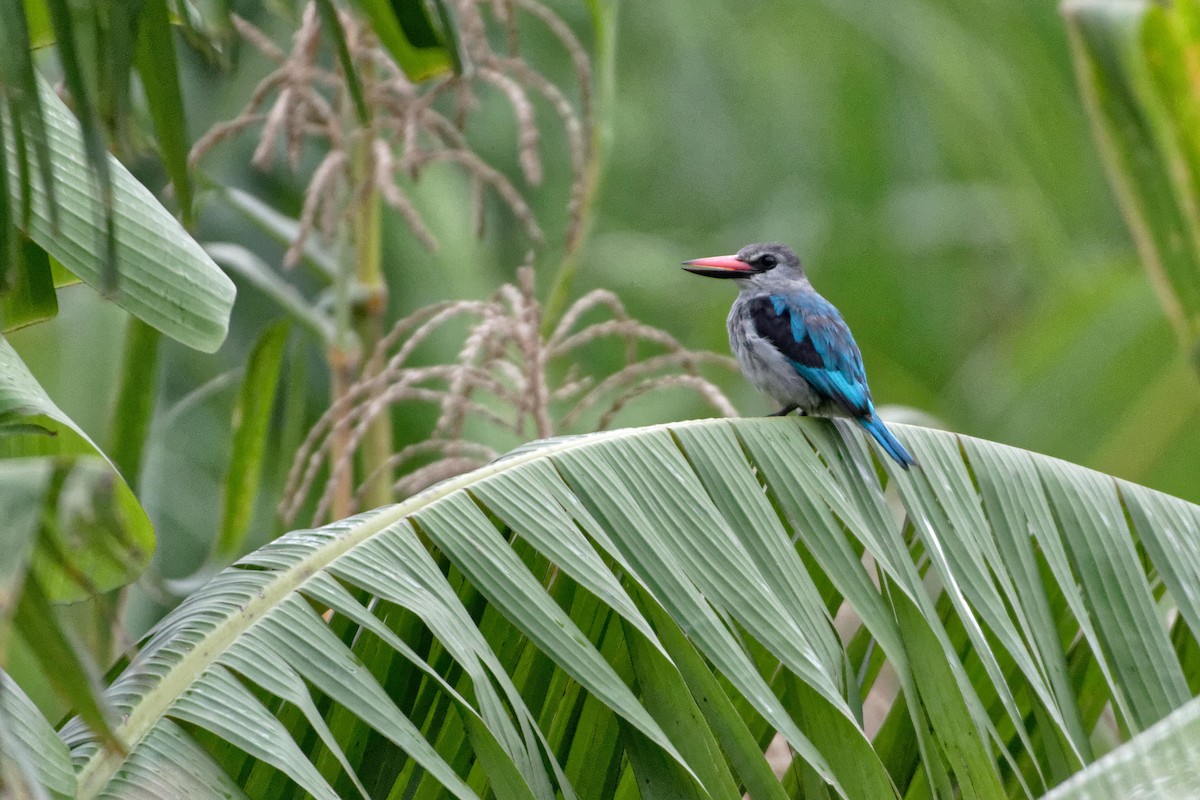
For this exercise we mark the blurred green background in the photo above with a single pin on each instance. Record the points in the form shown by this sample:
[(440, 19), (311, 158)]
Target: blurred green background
[(929, 159), (932, 164)]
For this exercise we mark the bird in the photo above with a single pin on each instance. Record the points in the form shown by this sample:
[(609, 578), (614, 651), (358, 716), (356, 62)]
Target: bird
[(792, 343)]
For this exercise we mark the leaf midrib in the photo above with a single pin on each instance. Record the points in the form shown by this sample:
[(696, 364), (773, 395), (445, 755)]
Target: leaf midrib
[(99, 769)]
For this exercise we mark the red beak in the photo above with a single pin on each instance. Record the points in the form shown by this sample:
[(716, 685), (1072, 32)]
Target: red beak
[(719, 267)]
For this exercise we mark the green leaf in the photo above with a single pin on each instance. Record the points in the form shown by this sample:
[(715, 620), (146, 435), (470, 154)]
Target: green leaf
[(333, 28), (170, 764), (461, 529), (281, 228), (90, 120), (1134, 62), (966, 750), (134, 408), (255, 271), (62, 276), (1163, 524), (10, 236), (639, 611), (66, 662), (116, 27), (1119, 599), (94, 535), (25, 483), (744, 754), (25, 111), (658, 777), (225, 707), (1013, 505), (41, 31), (166, 278), (419, 60), (32, 757), (1162, 762), (251, 423), (32, 298), (159, 71), (667, 698)]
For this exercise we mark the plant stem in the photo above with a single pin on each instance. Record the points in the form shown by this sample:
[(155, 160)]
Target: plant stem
[(134, 408), (342, 365), (604, 22), (370, 302), (368, 313), (344, 355), (360, 315)]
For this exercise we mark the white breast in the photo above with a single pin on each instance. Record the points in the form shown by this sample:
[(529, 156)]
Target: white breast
[(764, 366)]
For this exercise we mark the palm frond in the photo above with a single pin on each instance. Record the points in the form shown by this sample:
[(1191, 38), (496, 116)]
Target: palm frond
[(646, 610)]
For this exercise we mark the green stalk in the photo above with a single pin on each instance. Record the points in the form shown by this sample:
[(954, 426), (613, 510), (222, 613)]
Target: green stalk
[(343, 356), (134, 408), (359, 318), (370, 303), (368, 316), (604, 22)]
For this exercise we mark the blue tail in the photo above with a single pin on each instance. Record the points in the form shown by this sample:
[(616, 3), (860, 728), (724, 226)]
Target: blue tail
[(887, 441)]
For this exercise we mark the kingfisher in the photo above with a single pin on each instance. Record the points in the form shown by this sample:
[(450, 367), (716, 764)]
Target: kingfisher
[(792, 343)]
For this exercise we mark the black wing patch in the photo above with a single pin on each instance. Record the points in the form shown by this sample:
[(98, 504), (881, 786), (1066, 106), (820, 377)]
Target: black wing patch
[(776, 328)]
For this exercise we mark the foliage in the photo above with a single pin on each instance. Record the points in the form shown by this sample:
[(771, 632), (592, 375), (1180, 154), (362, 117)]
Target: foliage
[(642, 611), (167, 280), (379, 131), (70, 211), (930, 160), (1136, 67), (1159, 762)]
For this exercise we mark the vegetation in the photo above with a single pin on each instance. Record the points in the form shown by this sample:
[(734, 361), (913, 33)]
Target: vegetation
[(450, 229)]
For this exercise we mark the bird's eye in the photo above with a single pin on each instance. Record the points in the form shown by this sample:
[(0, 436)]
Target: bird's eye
[(768, 261)]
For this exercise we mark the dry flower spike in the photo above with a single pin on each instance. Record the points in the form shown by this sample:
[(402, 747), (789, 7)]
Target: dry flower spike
[(499, 385), (302, 99)]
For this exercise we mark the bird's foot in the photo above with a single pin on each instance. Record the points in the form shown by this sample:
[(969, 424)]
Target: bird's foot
[(783, 412)]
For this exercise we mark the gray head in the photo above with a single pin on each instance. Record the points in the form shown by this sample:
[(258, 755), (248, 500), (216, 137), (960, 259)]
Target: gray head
[(756, 267)]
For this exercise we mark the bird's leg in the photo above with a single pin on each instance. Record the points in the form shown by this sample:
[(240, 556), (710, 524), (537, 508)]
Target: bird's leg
[(783, 412)]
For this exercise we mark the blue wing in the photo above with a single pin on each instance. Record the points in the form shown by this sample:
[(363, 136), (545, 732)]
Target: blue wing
[(814, 338), (812, 335)]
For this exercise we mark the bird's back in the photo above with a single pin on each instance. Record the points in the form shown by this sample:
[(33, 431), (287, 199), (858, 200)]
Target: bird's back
[(794, 345)]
